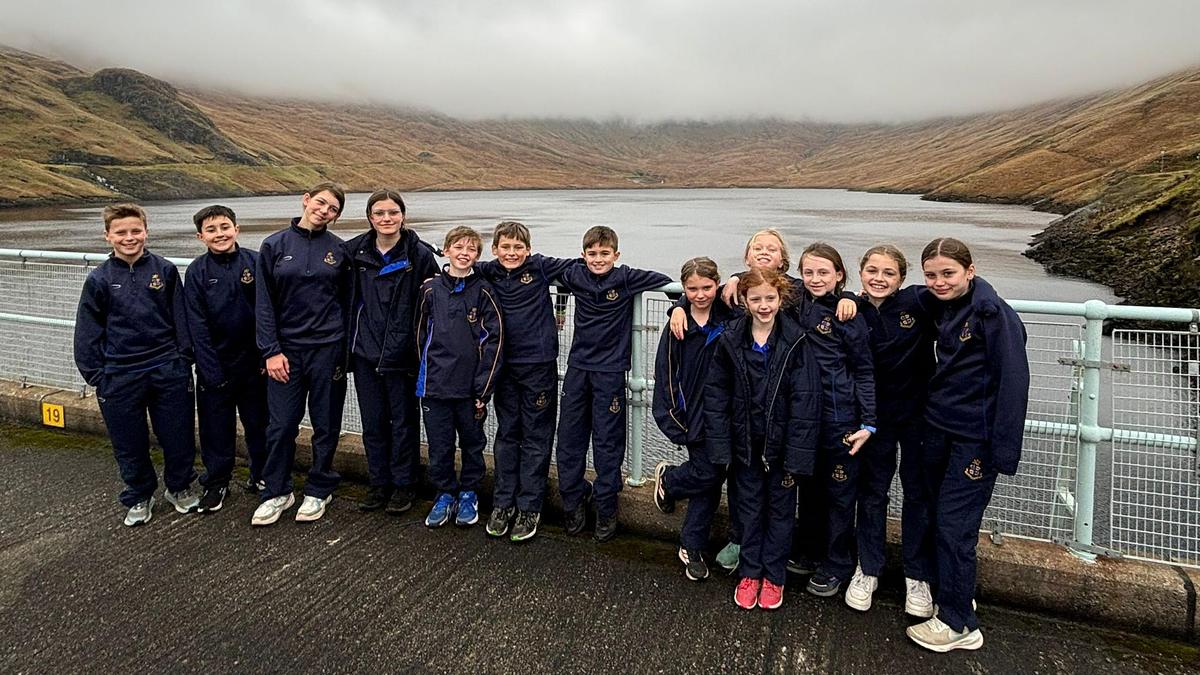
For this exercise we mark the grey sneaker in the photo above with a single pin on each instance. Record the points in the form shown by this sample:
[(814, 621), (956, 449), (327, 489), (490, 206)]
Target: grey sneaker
[(937, 636), (269, 511), (497, 525), (312, 508), (918, 601), (140, 513), (184, 501)]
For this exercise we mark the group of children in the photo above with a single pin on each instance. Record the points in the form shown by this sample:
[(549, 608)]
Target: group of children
[(796, 402)]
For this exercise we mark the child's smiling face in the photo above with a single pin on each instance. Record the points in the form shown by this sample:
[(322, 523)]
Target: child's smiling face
[(127, 236), (462, 254), (219, 234), (511, 252), (600, 258)]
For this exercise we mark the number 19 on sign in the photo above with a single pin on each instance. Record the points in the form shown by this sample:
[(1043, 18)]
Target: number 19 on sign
[(52, 415)]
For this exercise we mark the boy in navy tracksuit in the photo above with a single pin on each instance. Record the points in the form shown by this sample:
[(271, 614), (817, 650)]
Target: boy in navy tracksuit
[(303, 292), (593, 397), (978, 398), (390, 262), (461, 341), (680, 371), (132, 345), (219, 297), (527, 390)]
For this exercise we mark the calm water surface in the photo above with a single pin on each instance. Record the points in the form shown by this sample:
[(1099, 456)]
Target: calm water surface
[(658, 228)]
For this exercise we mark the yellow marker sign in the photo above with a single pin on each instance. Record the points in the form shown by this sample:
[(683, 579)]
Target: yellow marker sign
[(52, 415)]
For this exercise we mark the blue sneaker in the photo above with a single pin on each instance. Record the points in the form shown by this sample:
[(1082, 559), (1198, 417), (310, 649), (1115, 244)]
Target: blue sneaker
[(442, 509), (468, 509)]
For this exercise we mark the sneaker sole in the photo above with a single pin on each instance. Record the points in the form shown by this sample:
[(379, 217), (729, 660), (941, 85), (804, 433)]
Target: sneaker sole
[(467, 523), (660, 492), (515, 539), (687, 572), (823, 593), (741, 606), (274, 518), (302, 517), (919, 612), (858, 605), (211, 510), (973, 641), (493, 533), (180, 509), (772, 607), (395, 512), (138, 523), (436, 524)]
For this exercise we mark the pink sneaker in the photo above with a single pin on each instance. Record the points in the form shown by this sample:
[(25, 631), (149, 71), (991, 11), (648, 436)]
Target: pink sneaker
[(771, 595), (746, 593)]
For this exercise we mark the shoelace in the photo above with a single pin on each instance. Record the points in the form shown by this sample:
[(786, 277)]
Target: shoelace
[(525, 519)]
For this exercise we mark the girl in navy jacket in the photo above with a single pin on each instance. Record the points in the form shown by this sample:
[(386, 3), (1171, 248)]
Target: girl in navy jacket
[(762, 404), (901, 336), (389, 264), (847, 417), (680, 371), (976, 415)]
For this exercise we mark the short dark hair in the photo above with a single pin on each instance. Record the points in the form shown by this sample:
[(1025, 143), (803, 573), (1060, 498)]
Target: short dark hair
[(212, 212), (513, 230), (338, 192), (126, 210), (600, 234), (386, 193)]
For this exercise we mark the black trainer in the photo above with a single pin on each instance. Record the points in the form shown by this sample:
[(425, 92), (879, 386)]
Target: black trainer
[(377, 497), (497, 525), (575, 520), (662, 500), (400, 501), (212, 500), (526, 525), (694, 566), (606, 528), (824, 585), (254, 485), (801, 565)]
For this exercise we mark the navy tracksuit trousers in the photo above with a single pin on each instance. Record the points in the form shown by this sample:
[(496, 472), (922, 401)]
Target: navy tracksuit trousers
[(960, 475), (444, 419), (526, 401), (219, 409), (699, 481), (315, 376), (766, 504), (592, 408), (841, 485), (391, 424), (877, 466), (166, 393)]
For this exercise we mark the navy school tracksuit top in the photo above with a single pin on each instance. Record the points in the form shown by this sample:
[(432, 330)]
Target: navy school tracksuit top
[(784, 384), (843, 350), (901, 334), (680, 371), (386, 290), (531, 332), (980, 388), (130, 318), (460, 337), (604, 314), (219, 295), (303, 290)]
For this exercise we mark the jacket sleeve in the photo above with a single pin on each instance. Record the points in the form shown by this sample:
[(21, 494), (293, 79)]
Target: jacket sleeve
[(421, 320), (665, 388), (639, 281), (553, 268), (183, 333), (266, 330), (208, 364), (857, 345), (491, 345), (718, 408), (91, 319), (1008, 366), (804, 416)]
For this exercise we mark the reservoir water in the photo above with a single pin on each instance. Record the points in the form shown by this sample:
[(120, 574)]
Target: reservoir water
[(658, 229)]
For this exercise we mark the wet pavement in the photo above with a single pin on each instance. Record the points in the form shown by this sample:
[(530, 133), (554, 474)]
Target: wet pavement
[(79, 592)]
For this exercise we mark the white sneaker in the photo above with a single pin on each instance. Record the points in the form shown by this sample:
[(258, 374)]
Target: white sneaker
[(918, 601), (861, 589), (140, 513), (312, 508), (184, 501), (937, 636), (269, 511)]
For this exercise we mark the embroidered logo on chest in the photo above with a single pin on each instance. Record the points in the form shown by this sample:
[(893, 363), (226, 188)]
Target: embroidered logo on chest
[(473, 315), (825, 327), (966, 332), (974, 470), (156, 283), (247, 276), (526, 278), (615, 406), (329, 259), (612, 294), (541, 401), (907, 320), (839, 474), (788, 481)]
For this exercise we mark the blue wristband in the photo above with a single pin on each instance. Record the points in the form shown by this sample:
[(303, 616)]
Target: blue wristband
[(868, 428)]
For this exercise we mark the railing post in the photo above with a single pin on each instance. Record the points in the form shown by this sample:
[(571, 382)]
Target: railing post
[(637, 397), (1089, 428)]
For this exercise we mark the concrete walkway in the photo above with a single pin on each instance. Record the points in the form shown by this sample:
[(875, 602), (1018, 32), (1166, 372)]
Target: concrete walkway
[(79, 592)]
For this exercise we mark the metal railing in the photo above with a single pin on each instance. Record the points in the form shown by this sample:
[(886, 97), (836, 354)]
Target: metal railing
[(1143, 444)]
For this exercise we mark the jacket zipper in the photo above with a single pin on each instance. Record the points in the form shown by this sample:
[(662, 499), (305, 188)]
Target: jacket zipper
[(774, 396)]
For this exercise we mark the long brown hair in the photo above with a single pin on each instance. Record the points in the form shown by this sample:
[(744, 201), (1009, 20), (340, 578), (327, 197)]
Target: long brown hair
[(820, 249)]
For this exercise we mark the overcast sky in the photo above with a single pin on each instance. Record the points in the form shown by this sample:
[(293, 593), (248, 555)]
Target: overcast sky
[(829, 60)]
